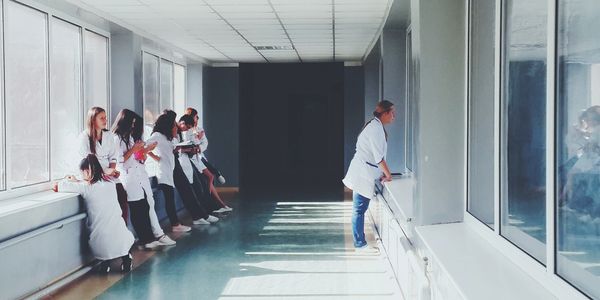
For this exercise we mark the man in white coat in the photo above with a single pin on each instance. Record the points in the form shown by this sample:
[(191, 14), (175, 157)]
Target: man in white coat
[(367, 166)]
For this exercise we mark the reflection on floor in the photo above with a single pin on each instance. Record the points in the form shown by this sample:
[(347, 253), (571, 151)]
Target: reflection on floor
[(265, 250)]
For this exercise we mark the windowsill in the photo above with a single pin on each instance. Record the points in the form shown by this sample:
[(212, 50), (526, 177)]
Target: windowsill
[(29, 201), (399, 191), (475, 267)]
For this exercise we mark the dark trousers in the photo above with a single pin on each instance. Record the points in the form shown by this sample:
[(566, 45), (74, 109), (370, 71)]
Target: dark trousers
[(122, 197), (191, 201), (201, 187), (140, 219), (169, 195)]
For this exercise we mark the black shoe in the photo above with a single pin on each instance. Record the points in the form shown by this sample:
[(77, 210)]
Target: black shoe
[(127, 263), (104, 267)]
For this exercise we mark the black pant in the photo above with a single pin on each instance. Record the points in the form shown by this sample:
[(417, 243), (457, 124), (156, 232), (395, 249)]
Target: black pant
[(169, 194), (191, 201), (140, 219), (202, 188)]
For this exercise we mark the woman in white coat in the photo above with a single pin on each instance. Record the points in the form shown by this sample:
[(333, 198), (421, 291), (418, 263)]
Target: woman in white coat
[(201, 163), (128, 130), (109, 236), (97, 140), (367, 166)]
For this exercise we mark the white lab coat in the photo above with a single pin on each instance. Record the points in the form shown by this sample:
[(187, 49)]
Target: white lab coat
[(109, 236), (136, 182), (203, 143), (371, 148), (166, 165), (106, 152), (184, 158)]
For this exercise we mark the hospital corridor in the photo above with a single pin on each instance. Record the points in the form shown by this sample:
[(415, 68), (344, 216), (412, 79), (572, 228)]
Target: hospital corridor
[(300, 149)]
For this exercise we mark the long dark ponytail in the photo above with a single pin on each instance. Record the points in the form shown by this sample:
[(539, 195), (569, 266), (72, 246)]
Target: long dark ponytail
[(91, 163)]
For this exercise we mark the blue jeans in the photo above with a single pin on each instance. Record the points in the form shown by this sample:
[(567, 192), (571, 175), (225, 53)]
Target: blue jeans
[(360, 204)]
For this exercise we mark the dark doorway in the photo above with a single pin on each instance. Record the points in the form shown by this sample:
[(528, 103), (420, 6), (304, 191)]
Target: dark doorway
[(291, 129)]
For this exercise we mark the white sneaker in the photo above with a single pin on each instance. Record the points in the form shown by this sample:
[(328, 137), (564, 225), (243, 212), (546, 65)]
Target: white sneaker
[(165, 240), (227, 209), (201, 222), (181, 228), (152, 245), (212, 219), (367, 249), (222, 210), (222, 179)]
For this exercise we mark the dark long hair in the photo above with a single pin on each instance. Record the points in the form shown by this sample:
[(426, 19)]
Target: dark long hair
[(137, 132), (89, 125), (164, 125), (127, 125), (91, 163)]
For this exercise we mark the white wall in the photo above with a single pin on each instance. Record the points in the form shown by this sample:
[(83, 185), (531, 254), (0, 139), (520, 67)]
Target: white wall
[(439, 47)]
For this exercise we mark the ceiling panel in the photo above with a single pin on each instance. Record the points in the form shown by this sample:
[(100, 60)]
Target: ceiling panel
[(229, 30)]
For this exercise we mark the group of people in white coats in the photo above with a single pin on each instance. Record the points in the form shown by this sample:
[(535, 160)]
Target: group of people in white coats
[(115, 185)]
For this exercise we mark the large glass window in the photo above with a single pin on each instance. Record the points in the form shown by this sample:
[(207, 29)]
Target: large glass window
[(26, 89), (65, 96), (96, 71), (179, 89), (151, 88), (166, 84), (578, 145), (482, 48), (523, 173)]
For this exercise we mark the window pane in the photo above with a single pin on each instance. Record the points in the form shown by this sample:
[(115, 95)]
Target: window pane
[(524, 126), (481, 110), (26, 94), (578, 145), (150, 78), (166, 85), (179, 89), (65, 96), (96, 71)]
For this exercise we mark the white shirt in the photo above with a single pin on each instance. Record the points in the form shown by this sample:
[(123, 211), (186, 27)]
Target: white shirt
[(203, 143), (166, 165), (371, 148), (106, 152), (133, 173), (184, 158), (136, 182), (109, 236)]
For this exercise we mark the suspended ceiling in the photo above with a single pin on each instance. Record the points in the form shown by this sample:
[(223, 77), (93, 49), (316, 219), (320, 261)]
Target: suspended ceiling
[(230, 31)]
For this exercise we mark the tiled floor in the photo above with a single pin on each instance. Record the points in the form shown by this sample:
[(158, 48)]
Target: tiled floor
[(269, 250)]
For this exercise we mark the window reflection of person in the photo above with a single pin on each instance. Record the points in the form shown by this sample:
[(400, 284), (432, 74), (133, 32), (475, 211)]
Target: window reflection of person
[(583, 167)]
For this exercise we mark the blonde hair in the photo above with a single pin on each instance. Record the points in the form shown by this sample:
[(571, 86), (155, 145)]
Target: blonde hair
[(90, 126)]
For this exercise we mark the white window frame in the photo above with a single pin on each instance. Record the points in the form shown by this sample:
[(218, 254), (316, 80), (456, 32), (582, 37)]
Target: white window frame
[(174, 61), (185, 83), (545, 275), (10, 193)]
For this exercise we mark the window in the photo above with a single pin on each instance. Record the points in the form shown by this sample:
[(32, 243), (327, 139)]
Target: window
[(540, 151), (411, 105), (523, 138), (26, 89), (166, 84), (50, 64), (96, 76), (482, 49), (151, 88), (578, 145), (179, 78), (65, 96)]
